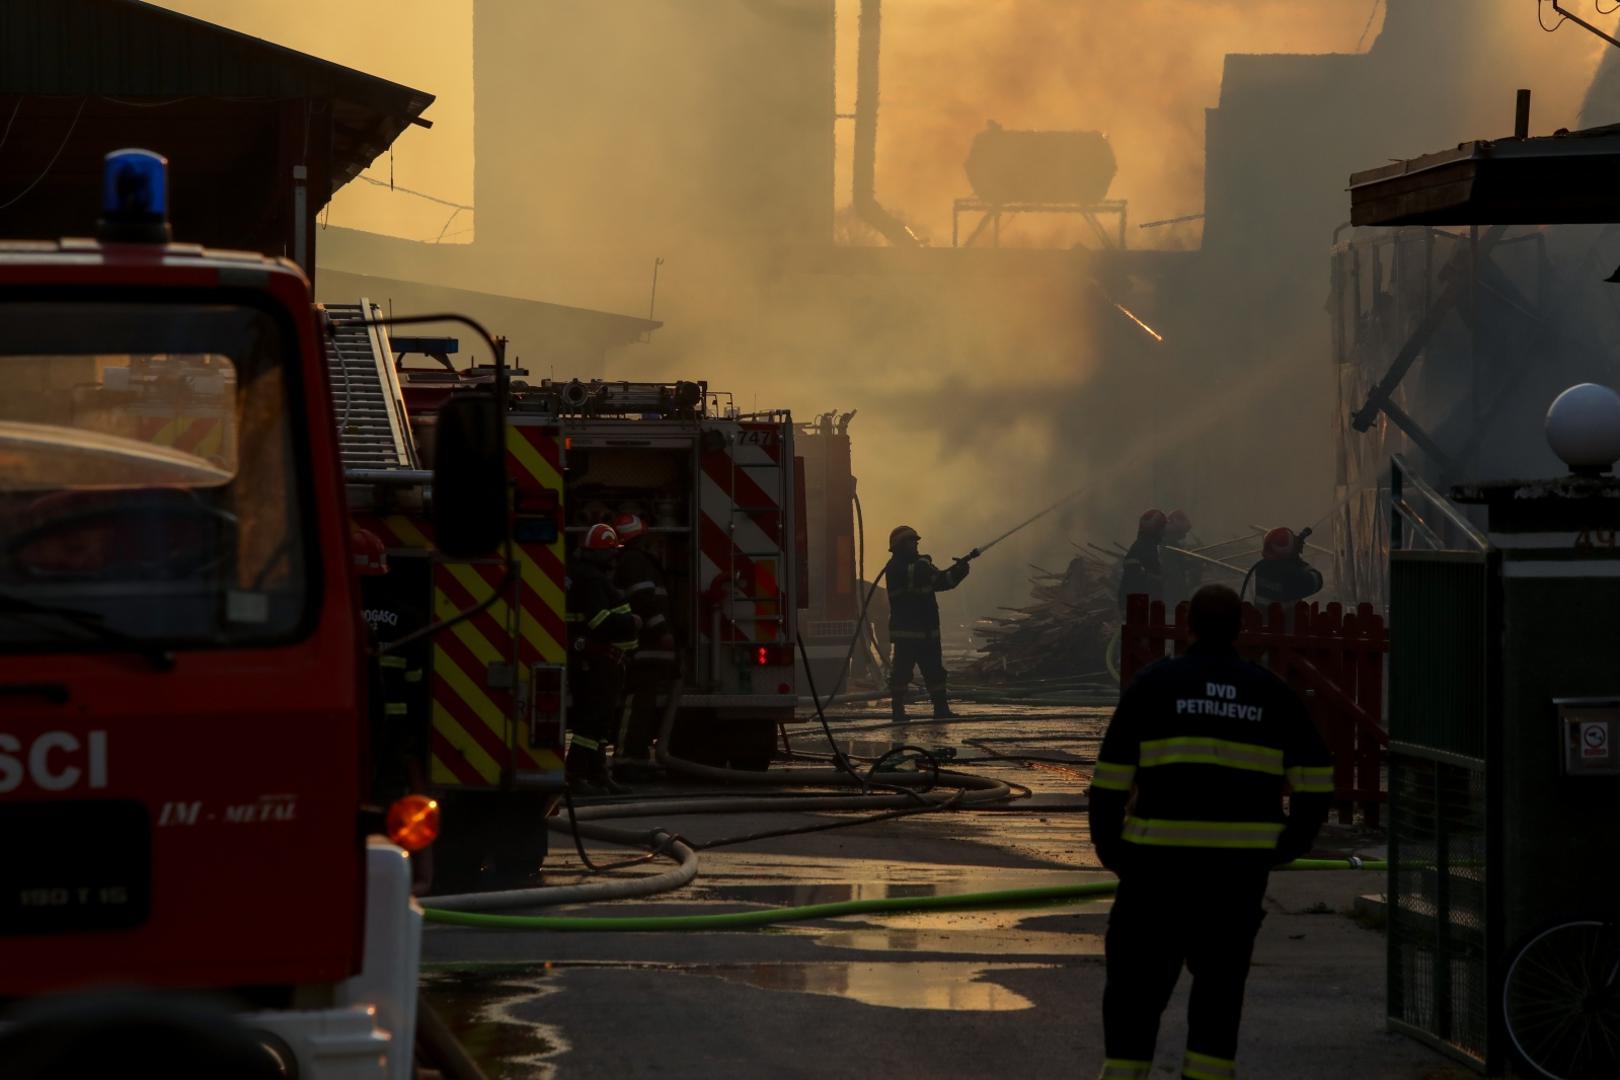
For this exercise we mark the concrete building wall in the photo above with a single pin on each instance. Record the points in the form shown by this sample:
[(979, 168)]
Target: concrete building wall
[(610, 131)]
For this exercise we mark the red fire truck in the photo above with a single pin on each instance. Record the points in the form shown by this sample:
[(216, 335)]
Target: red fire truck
[(184, 777), (721, 492)]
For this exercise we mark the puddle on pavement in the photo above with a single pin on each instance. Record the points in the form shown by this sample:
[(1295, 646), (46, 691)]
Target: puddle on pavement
[(478, 1005), (945, 986), (800, 895), (987, 933), (866, 748)]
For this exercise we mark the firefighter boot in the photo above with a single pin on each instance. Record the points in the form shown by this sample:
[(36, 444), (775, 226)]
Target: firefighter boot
[(580, 768), (942, 709), (897, 706), (603, 777)]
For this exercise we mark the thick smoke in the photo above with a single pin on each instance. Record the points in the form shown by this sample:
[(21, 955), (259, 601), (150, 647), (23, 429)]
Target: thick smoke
[(988, 383)]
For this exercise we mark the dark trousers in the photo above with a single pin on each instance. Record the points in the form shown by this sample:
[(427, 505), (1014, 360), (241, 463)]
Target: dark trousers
[(1166, 916), (921, 653), (642, 715), (595, 690)]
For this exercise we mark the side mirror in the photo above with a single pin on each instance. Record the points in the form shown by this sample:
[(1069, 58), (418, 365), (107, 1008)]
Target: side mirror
[(469, 477)]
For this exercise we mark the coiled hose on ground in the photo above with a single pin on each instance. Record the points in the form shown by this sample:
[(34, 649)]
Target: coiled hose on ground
[(893, 791), (755, 919)]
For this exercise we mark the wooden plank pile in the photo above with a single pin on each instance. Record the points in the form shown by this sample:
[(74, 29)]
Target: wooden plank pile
[(1063, 632), (1066, 633)]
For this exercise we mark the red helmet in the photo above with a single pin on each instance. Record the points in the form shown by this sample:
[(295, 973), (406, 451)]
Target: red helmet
[(1178, 523), (1278, 544), (601, 538), (1151, 521), (629, 527), (370, 556)]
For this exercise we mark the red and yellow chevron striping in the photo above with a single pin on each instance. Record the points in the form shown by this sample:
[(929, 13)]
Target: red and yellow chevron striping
[(477, 734)]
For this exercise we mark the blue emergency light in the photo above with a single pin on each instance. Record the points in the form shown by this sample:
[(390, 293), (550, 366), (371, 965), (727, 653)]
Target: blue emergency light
[(135, 197)]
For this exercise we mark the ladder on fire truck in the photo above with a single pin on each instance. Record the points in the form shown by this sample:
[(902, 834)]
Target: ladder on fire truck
[(372, 427)]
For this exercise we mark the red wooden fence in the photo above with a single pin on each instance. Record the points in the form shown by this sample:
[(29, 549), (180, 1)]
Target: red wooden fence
[(1335, 661)]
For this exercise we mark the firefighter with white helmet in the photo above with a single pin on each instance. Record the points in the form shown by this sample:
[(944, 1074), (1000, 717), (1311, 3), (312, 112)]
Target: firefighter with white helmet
[(602, 631), (913, 584)]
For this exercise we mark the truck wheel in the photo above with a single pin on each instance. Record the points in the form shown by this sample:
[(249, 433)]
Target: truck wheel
[(490, 840), (699, 736), (752, 743), (102, 1033)]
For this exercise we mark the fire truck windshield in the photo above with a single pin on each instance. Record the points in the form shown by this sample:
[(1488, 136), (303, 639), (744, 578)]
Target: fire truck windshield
[(147, 474)]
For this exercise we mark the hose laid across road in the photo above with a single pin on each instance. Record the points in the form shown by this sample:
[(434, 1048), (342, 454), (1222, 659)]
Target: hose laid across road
[(754, 919), (880, 791)]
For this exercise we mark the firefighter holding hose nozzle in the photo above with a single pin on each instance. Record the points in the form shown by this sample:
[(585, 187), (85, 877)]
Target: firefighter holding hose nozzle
[(913, 583), (1282, 576)]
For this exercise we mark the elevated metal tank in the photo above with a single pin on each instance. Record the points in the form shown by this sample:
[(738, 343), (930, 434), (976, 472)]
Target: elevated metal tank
[(1065, 167)]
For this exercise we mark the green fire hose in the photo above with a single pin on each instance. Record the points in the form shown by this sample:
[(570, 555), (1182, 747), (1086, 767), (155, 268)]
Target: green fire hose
[(754, 919)]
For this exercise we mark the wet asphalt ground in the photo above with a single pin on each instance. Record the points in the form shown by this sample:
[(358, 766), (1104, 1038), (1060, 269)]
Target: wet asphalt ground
[(964, 994)]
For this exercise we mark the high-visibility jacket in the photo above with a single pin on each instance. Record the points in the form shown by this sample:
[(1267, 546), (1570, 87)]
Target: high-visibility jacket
[(599, 617), (1209, 740), (642, 580), (913, 585)]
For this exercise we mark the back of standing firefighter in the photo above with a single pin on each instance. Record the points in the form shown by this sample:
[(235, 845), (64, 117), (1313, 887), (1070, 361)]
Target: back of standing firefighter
[(1186, 806), (602, 633), (914, 583)]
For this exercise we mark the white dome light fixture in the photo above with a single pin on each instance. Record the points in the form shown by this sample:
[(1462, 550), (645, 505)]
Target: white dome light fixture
[(1583, 428)]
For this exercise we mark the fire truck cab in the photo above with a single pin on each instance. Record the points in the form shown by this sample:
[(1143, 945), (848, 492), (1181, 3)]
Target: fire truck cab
[(184, 775)]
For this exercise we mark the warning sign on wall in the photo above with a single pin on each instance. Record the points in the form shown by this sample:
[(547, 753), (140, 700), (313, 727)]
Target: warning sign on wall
[(1594, 739)]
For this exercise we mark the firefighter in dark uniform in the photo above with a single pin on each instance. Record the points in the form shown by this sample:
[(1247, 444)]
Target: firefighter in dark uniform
[(1282, 576), (1181, 572), (1142, 571), (396, 601), (913, 585), (602, 631), (1207, 741), (645, 584)]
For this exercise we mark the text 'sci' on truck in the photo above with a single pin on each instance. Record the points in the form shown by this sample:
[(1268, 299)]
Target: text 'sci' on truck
[(186, 782), (721, 494)]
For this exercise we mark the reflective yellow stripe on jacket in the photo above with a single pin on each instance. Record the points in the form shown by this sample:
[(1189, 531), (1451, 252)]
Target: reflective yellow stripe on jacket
[(1311, 779), (1123, 1069), (1198, 750), (1157, 832), (1113, 777), (1198, 1066)]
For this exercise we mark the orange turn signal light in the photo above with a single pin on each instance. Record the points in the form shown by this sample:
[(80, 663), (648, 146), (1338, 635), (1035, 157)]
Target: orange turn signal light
[(413, 822)]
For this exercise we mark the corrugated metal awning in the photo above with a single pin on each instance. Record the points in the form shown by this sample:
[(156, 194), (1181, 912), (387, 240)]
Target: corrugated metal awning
[(1566, 179), (108, 52)]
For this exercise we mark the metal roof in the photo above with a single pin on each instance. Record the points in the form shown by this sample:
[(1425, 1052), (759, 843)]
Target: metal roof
[(1563, 179), (125, 52)]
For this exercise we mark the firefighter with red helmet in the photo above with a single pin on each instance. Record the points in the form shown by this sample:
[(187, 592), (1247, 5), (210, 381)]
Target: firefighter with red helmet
[(914, 583), (602, 631), (1282, 576), (641, 577), (1143, 572)]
